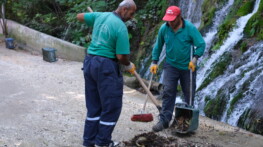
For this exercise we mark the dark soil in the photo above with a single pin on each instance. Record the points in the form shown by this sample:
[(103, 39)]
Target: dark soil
[(152, 139)]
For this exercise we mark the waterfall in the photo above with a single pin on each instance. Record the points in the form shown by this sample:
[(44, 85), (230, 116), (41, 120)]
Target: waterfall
[(254, 60), (228, 44), (161, 58), (191, 10), (142, 66), (247, 70), (249, 65), (218, 19)]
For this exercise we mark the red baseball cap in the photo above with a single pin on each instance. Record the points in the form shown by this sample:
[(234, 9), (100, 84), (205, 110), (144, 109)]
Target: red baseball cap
[(171, 13)]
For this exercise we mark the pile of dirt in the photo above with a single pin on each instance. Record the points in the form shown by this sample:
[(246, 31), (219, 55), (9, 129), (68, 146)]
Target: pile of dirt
[(152, 139)]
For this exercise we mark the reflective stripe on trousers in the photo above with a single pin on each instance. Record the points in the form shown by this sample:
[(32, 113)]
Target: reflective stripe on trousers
[(103, 91)]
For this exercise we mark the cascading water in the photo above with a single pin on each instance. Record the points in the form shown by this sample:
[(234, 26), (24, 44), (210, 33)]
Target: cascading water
[(191, 10), (218, 19), (239, 74), (252, 67), (147, 73), (229, 43)]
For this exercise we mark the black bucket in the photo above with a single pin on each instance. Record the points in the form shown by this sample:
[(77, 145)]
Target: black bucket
[(49, 54)]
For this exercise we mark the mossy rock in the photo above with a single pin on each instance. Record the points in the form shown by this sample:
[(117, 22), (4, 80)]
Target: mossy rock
[(215, 107), (234, 102), (209, 7), (252, 120), (217, 70)]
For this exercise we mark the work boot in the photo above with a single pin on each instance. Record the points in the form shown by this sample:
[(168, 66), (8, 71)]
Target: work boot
[(112, 144), (159, 126)]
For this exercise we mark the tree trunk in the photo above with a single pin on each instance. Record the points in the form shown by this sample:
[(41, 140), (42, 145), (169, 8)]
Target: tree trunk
[(3, 21)]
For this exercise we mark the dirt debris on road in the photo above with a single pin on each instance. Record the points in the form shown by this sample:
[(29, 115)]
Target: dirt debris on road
[(42, 104)]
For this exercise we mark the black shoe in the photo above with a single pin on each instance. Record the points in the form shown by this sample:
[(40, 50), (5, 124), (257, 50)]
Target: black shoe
[(86, 145), (159, 126)]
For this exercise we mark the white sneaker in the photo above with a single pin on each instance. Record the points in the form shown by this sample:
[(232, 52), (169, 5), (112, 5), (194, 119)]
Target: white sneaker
[(112, 144)]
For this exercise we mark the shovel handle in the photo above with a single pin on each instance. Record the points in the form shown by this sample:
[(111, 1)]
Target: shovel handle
[(147, 90), (89, 9), (191, 79), (149, 87)]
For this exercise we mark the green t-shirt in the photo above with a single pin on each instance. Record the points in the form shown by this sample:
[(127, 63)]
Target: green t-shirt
[(109, 35), (178, 44)]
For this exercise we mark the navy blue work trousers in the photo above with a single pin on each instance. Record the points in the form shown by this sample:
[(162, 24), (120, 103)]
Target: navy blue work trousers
[(103, 91), (170, 80)]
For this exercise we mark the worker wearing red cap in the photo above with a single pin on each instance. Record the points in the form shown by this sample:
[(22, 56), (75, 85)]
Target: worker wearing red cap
[(179, 36)]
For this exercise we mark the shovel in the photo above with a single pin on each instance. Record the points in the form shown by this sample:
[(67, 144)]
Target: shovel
[(186, 116)]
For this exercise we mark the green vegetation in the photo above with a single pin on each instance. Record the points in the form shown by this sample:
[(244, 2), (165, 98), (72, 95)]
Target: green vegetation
[(224, 29), (207, 98), (149, 16), (58, 18), (255, 24), (244, 7), (209, 8), (243, 47)]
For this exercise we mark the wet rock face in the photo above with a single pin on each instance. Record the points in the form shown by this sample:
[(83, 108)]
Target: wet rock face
[(252, 119), (215, 107)]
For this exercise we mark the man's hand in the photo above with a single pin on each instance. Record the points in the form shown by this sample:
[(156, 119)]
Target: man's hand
[(130, 68), (192, 64), (80, 17), (154, 68)]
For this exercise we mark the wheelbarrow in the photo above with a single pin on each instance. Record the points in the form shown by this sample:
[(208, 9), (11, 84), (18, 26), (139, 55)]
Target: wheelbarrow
[(186, 116)]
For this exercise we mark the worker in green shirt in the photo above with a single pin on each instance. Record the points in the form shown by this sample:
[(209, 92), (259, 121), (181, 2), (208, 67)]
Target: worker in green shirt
[(179, 36), (109, 47)]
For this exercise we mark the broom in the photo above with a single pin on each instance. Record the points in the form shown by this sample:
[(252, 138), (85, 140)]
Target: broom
[(145, 117)]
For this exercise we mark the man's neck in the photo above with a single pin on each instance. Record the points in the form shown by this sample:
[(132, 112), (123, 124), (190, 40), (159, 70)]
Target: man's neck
[(179, 26), (117, 13)]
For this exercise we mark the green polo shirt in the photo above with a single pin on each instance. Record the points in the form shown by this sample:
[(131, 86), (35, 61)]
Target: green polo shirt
[(178, 44), (109, 35)]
